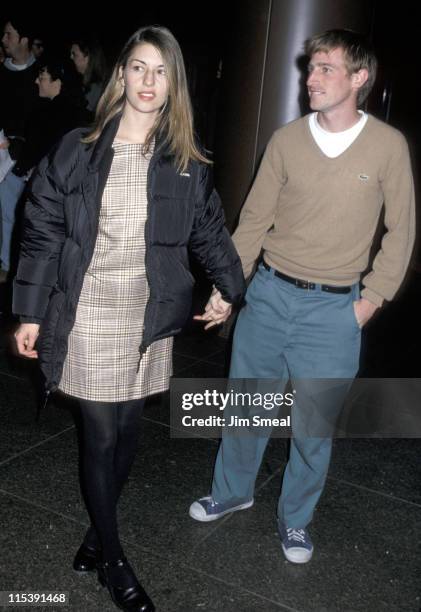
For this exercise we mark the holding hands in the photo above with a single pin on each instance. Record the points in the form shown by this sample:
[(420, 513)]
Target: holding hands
[(26, 336), (216, 312)]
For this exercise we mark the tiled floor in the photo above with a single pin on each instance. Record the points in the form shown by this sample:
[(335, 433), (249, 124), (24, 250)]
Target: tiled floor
[(366, 530)]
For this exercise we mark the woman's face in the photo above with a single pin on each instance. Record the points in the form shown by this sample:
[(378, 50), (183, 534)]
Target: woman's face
[(47, 88), (79, 59), (145, 79)]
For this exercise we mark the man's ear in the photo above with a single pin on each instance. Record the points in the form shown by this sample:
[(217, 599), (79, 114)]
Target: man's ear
[(359, 78)]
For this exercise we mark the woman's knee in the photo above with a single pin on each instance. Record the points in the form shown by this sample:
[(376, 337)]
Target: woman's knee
[(99, 428)]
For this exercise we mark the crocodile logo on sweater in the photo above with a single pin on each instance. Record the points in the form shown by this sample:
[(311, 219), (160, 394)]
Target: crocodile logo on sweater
[(363, 177)]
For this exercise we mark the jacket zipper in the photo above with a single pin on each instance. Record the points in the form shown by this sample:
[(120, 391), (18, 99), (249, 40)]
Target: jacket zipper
[(144, 345), (142, 350), (42, 405)]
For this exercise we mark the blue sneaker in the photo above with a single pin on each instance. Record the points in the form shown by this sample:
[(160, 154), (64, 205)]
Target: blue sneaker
[(206, 509), (296, 544)]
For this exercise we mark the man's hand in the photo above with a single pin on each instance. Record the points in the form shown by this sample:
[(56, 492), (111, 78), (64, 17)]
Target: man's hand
[(216, 312), (4, 144), (364, 310), (26, 336)]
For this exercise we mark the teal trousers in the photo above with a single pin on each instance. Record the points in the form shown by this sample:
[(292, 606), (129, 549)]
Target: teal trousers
[(312, 338)]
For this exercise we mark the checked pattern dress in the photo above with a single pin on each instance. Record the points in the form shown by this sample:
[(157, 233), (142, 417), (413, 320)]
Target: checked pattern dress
[(103, 351)]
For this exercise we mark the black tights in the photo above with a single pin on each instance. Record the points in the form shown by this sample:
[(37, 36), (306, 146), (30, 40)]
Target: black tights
[(110, 432)]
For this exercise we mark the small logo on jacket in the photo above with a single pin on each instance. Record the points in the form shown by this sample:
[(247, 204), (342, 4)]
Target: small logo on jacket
[(185, 174), (363, 177)]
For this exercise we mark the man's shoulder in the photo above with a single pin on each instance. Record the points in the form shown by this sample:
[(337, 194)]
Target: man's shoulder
[(289, 136), (4, 72), (384, 134), (8, 71), (294, 127)]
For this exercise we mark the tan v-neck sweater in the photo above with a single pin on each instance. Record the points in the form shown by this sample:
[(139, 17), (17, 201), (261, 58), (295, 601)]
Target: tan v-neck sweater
[(315, 216)]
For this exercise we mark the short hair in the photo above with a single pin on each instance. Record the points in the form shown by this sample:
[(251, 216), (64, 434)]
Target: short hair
[(358, 54), (55, 68), (59, 68), (23, 26)]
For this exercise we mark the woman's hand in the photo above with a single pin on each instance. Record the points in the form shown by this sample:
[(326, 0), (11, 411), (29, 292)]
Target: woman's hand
[(4, 144), (216, 312), (26, 336)]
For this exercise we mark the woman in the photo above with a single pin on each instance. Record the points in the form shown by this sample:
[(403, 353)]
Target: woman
[(104, 275), (89, 60)]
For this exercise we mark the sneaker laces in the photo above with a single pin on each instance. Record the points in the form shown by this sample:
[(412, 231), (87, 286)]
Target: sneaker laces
[(212, 503), (298, 535)]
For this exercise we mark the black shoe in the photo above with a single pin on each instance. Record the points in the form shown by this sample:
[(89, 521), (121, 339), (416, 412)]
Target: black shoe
[(86, 559), (125, 589)]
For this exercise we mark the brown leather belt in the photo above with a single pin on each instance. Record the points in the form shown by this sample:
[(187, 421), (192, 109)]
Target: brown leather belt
[(302, 284)]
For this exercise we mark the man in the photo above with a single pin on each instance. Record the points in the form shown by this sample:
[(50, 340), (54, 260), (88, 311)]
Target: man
[(19, 96), (37, 48), (313, 208)]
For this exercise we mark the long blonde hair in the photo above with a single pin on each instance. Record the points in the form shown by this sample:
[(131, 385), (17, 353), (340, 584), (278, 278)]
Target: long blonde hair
[(175, 120)]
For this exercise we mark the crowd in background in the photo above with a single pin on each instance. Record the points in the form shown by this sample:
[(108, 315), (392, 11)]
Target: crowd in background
[(46, 91)]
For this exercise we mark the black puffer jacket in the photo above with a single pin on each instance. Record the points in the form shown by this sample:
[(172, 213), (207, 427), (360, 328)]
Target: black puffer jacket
[(60, 229)]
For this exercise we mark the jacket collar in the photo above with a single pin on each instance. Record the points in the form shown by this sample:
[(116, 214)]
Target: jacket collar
[(106, 139), (104, 142)]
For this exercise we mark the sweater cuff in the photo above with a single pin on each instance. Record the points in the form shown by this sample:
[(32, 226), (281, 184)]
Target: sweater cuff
[(372, 297)]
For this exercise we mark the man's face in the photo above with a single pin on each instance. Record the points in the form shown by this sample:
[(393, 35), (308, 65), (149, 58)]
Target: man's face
[(11, 40), (329, 84), (37, 47)]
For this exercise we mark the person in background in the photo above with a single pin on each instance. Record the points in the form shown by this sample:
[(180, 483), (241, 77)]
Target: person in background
[(18, 98), (104, 279), (62, 111), (38, 47), (89, 60)]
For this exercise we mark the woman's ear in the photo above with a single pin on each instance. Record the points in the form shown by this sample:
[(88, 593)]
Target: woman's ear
[(120, 76)]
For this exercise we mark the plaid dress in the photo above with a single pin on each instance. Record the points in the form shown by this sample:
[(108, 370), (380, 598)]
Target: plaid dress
[(103, 351)]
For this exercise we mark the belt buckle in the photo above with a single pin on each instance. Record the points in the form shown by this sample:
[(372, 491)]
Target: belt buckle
[(302, 284)]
